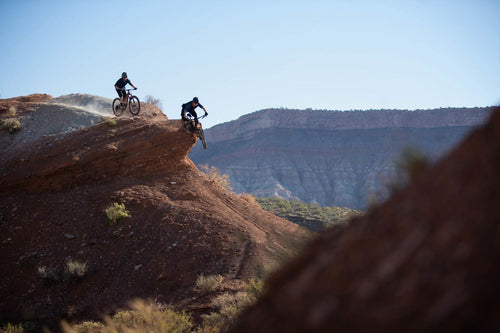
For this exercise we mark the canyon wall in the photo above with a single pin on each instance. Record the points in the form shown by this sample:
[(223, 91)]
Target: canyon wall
[(329, 157)]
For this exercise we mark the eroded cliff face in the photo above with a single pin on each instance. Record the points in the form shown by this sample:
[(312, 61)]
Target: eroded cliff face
[(332, 158)]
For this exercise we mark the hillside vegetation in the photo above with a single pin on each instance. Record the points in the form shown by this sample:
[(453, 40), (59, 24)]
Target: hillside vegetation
[(311, 216)]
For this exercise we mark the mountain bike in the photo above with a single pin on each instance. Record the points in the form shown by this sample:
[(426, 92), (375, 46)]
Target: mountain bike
[(189, 124), (133, 104)]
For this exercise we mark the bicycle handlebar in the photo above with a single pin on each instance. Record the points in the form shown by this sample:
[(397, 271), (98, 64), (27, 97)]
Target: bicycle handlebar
[(190, 116)]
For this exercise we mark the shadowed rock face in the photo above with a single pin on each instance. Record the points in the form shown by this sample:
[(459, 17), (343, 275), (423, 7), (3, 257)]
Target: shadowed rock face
[(427, 260), (332, 158)]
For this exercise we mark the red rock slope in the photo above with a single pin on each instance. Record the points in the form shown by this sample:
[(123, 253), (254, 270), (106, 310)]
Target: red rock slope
[(52, 198)]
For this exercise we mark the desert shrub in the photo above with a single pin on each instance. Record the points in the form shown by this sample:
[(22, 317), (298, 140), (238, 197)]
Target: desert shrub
[(12, 111), (255, 289), (214, 174), (75, 270), (12, 124), (110, 121), (209, 283), (85, 327), (143, 317), (229, 306), (10, 328), (249, 198), (49, 274), (152, 100), (115, 213)]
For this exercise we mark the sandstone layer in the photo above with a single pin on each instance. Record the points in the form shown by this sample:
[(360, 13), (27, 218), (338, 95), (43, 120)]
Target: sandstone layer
[(332, 158)]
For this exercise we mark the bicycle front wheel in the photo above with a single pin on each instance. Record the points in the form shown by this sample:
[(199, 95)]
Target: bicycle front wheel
[(134, 105), (201, 135), (117, 108)]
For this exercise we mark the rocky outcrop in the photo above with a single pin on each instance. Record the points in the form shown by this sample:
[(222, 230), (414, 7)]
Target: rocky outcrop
[(424, 261), (103, 152), (53, 195), (331, 158)]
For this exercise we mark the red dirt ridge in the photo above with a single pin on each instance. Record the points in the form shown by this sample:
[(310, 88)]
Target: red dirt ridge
[(53, 193)]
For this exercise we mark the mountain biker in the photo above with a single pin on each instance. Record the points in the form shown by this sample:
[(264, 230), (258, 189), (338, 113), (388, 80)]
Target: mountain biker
[(189, 108), (120, 87)]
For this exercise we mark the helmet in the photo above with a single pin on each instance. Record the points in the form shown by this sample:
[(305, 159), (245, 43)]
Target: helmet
[(124, 75), (196, 100)]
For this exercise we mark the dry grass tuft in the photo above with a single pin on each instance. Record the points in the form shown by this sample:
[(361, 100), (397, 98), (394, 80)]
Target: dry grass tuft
[(143, 317), (12, 111), (209, 283), (75, 270)]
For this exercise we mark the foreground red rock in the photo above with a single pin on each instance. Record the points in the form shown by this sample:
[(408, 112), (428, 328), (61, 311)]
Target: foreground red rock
[(428, 260)]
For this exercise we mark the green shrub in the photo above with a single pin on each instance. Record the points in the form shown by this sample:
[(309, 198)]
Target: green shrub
[(209, 283), (115, 213), (12, 125)]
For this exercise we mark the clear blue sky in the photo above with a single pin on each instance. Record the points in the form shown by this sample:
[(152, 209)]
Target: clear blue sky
[(243, 56)]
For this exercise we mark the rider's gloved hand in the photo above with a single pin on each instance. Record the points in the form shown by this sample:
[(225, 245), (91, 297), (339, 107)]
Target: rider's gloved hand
[(206, 113)]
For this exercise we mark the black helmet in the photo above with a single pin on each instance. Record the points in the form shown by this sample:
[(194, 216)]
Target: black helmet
[(196, 100), (124, 75)]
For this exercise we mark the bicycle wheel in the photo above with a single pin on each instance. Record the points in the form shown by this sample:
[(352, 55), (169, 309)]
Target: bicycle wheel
[(201, 135), (134, 105), (117, 108)]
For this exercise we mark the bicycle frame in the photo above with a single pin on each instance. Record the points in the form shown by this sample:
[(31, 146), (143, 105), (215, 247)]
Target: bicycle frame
[(128, 95)]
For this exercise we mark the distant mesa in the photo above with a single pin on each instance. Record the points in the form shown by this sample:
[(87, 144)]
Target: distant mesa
[(330, 157)]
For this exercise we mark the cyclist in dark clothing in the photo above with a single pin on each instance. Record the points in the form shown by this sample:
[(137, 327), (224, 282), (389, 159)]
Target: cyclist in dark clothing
[(189, 108), (120, 87)]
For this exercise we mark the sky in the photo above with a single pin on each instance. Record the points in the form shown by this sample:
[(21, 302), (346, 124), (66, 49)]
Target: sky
[(238, 57)]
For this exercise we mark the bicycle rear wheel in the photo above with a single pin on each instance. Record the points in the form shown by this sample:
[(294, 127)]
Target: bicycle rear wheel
[(117, 108), (201, 135), (134, 105)]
